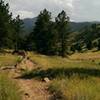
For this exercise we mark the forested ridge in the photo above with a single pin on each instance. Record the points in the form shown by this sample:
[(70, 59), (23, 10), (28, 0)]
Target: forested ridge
[(59, 37)]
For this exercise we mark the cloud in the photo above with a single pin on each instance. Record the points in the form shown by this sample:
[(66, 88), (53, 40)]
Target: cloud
[(78, 10), (86, 10), (24, 14), (31, 8)]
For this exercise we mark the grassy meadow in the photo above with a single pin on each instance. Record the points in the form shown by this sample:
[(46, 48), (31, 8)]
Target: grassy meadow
[(8, 59), (74, 78)]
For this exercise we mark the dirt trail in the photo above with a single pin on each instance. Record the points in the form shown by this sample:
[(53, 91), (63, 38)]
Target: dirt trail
[(32, 89)]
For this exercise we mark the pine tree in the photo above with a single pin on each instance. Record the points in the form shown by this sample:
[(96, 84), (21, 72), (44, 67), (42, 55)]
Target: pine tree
[(5, 24), (62, 22), (41, 34), (18, 27), (52, 39)]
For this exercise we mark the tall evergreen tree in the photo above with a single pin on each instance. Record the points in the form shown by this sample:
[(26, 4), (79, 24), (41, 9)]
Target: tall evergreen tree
[(52, 39), (41, 34), (62, 22), (18, 27), (5, 24)]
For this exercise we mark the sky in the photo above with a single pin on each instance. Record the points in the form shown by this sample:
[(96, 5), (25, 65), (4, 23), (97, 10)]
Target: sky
[(78, 10)]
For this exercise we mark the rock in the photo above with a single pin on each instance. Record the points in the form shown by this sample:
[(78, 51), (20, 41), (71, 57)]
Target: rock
[(46, 79)]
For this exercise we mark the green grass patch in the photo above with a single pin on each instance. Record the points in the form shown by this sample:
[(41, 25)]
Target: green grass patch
[(8, 89), (54, 73)]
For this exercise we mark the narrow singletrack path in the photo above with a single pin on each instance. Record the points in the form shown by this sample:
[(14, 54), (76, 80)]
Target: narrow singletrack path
[(32, 89)]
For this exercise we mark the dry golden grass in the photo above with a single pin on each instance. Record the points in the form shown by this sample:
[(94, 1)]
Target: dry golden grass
[(73, 61), (8, 60), (86, 56), (74, 78), (76, 88)]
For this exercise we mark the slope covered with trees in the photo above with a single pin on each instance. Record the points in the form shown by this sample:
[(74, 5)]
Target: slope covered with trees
[(49, 37)]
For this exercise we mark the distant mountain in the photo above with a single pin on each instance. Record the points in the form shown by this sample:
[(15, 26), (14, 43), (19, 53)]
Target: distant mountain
[(78, 26), (29, 24)]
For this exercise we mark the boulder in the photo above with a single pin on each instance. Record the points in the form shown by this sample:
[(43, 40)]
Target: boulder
[(46, 79)]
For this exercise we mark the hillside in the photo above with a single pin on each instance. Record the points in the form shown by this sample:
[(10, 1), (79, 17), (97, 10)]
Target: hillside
[(29, 23)]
